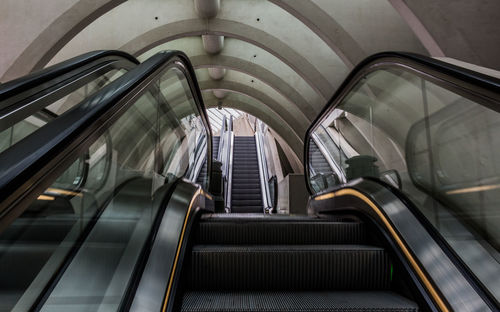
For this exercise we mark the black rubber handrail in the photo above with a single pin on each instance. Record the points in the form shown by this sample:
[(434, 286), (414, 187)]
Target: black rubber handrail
[(28, 167), (31, 94), (458, 76), (22, 84)]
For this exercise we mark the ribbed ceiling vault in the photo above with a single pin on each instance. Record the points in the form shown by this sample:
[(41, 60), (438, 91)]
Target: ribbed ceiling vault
[(278, 60)]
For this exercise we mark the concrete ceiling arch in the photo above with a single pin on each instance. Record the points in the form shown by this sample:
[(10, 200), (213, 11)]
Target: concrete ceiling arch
[(53, 38), (465, 30), (418, 28), (197, 27), (268, 95), (437, 25), (327, 28), (177, 101), (374, 25), (249, 74), (258, 72), (243, 53), (297, 123)]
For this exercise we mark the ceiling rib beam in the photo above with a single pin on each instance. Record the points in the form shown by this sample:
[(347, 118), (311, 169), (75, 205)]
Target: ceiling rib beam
[(418, 28), (57, 35), (292, 116), (259, 72), (240, 31), (327, 28)]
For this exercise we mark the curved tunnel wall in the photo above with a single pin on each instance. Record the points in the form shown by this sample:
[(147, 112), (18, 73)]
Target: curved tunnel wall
[(284, 58)]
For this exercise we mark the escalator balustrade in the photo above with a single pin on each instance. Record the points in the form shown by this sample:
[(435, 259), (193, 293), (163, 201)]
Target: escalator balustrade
[(416, 141), (78, 248), (30, 102)]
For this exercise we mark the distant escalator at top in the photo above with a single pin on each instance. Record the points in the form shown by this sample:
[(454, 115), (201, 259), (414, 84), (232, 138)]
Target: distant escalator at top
[(80, 195), (246, 194)]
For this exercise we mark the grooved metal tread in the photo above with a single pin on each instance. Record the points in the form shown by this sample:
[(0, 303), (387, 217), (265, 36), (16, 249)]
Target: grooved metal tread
[(273, 232), (246, 209), (281, 248), (245, 176), (290, 267), (299, 301), (258, 217), (317, 159)]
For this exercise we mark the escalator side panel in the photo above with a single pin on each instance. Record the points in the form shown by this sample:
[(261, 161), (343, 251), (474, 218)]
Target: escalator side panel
[(157, 284), (106, 259), (406, 233), (127, 131), (429, 130)]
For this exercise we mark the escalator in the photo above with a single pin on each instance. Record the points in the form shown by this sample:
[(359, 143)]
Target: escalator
[(414, 142), (318, 160), (246, 193), (381, 235), (323, 173), (100, 209)]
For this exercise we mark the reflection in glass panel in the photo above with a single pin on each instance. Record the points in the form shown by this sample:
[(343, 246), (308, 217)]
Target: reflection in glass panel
[(25, 127), (97, 215), (181, 107), (438, 147)]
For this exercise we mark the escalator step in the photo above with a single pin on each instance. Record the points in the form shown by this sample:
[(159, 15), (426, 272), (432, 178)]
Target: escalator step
[(246, 169), (246, 196), (250, 202), (251, 191), (299, 301), (247, 209), (241, 179), (289, 267), (248, 189), (274, 233), (242, 176), (245, 184), (250, 167), (251, 164), (247, 176)]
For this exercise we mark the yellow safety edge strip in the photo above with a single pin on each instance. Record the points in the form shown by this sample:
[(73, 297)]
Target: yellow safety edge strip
[(45, 197), (179, 246), (425, 280), (63, 192)]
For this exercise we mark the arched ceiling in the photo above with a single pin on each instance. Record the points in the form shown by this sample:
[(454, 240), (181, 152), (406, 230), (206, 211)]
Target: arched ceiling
[(278, 60)]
